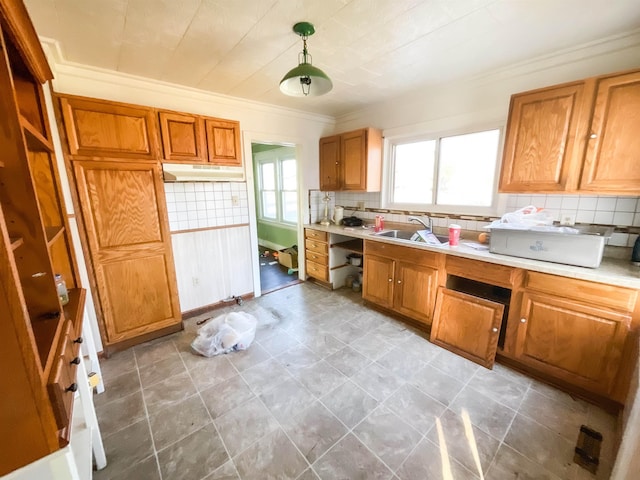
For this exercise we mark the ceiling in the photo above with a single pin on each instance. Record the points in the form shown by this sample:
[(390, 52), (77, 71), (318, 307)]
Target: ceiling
[(373, 50)]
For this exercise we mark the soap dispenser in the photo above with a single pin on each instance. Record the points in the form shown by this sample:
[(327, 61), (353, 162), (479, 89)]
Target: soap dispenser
[(635, 256)]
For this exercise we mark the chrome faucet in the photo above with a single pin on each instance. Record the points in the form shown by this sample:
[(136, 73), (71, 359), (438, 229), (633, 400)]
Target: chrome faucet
[(419, 220)]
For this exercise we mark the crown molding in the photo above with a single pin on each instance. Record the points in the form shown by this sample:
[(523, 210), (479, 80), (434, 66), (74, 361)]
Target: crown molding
[(65, 68)]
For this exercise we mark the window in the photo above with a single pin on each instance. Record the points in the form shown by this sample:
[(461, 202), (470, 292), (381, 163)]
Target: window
[(454, 174), (277, 177)]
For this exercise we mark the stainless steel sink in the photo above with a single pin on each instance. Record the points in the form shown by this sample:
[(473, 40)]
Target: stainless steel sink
[(402, 234), (411, 235)]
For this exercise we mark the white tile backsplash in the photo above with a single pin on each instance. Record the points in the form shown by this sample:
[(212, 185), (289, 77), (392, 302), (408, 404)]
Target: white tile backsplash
[(205, 204), (587, 209)]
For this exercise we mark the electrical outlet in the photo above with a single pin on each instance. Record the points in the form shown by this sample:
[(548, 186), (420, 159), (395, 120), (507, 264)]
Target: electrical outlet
[(235, 200), (361, 206), (567, 219)]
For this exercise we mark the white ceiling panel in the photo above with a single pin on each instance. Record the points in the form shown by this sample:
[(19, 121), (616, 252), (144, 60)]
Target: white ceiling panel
[(372, 49)]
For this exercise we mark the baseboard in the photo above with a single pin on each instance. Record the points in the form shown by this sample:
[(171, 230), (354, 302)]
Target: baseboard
[(213, 306)]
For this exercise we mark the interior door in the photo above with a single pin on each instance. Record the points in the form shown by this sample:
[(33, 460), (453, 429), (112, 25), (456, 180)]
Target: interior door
[(130, 246)]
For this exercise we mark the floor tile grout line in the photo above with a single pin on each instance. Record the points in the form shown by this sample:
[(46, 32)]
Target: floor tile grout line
[(146, 410), (213, 423)]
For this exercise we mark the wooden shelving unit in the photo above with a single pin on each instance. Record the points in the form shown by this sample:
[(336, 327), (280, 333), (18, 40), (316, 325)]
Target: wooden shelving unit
[(35, 140), (354, 245), (16, 242), (35, 244)]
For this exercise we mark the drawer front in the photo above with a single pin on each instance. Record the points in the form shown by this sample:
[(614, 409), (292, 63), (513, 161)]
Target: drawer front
[(315, 270), (62, 384), (596, 293), (407, 254), (316, 234), (318, 258), (480, 271), (316, 246)]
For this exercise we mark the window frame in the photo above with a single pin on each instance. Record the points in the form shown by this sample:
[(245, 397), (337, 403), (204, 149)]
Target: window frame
[(390, 141), (275, 157)]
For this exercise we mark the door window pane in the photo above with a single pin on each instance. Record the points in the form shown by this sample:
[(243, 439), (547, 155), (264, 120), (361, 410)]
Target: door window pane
[(289, 175), (268, 176), (290, 206), (269, 208)]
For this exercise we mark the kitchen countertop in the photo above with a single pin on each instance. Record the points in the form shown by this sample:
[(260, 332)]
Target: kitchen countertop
[(611, 271)]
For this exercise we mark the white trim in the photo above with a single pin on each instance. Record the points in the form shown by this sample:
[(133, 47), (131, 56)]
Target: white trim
[(61, 67), (414, 134)]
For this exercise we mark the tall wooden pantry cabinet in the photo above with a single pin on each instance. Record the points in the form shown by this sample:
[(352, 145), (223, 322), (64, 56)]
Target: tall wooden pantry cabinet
[(39, 336)]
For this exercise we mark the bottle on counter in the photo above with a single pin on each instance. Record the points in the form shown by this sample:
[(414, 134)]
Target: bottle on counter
[(635, 256), (61, 287)]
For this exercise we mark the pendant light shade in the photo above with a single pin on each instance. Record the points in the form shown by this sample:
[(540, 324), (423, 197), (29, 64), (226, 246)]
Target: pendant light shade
[(305, 79)]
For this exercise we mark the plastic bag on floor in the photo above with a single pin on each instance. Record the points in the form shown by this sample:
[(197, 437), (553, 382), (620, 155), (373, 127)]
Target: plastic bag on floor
[(226, 333)]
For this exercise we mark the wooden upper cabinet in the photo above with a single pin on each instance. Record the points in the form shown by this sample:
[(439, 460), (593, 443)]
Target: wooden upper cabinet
[(330, 163), (351, 161), (576, 137), (183, 137), (128, 236), (612, 159), (97, 128), (223, 142), (542, 149)]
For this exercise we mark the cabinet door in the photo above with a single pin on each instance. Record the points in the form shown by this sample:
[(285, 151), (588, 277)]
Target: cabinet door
[(182, 137), (330, 163), (223, 142), (97, 128), (577, 343), (467, 325), (613, 149), (126, 223), (415, 289), (354, 160), (378, 280), (543, 142)]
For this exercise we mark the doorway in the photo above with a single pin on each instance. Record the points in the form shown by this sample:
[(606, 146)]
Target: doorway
[(275, 171)]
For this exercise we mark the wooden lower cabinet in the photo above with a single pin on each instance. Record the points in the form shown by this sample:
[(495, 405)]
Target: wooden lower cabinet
[(128, 236), (575, 342), (401, 278), (467, 325)]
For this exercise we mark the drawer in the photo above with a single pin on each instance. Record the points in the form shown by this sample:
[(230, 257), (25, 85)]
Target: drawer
[(407, 254), (62, 384), (316, 234), (596, 293), (318, 258), (316, 246), (481, 271), (315, 270)]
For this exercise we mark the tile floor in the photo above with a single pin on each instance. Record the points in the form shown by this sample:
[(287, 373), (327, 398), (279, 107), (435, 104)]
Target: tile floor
[(331, 389)]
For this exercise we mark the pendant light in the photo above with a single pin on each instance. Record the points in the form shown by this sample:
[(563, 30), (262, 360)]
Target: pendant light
[(305, 79)]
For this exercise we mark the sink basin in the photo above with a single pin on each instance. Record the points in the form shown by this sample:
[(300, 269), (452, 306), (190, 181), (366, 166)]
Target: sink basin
[(412, 236), (402, 234)]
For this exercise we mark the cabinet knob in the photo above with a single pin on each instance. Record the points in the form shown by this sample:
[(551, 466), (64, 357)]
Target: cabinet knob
[(593, 135), (75, 361), (494, 330), (391, 279), (71, 388), (399, 281), (78, 340), (523, 320)]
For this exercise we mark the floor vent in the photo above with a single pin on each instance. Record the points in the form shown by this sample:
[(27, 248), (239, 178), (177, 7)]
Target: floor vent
[(587, 451)]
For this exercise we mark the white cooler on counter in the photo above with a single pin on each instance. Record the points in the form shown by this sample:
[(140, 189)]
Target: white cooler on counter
[(584, 248)]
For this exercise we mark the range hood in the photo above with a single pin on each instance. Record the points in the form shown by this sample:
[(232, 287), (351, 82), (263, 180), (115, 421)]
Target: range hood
[(178, 172)]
